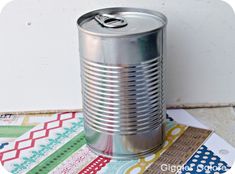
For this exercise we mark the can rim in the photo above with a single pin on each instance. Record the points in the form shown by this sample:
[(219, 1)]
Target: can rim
[(87, 15)]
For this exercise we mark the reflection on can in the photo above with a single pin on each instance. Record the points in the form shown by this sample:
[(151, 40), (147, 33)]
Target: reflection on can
[(122, 54)]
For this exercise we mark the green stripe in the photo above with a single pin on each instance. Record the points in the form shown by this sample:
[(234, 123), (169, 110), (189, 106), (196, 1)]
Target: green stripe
[(13, 131), (60, 155)]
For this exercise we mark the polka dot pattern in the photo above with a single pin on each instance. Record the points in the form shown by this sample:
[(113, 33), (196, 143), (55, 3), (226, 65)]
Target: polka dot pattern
[(205, 161)]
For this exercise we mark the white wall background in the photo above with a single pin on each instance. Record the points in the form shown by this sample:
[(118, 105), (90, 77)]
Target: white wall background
[(39, 60)]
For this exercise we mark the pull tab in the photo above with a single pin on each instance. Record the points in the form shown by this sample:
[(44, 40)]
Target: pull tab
[(111, 21)]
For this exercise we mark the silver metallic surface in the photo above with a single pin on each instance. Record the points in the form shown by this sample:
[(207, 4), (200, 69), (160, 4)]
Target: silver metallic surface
[(111, 21), (122, 71)]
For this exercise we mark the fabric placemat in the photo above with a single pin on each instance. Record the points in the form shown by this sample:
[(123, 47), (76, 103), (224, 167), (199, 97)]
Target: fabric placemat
[(58, 146)]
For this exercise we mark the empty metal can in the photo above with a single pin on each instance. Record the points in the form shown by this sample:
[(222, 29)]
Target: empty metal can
[(122, 54)]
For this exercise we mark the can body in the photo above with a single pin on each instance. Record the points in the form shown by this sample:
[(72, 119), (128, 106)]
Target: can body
[(123, 84)]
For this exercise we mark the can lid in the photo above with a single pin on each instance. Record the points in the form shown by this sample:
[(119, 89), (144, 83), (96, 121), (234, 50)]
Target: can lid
[(121, 21)]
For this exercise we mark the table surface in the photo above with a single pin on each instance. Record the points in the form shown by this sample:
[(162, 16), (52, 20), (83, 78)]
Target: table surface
[(222, 120)]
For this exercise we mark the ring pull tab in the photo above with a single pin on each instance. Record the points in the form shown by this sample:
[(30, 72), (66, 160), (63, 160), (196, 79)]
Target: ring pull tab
[(111, 21)]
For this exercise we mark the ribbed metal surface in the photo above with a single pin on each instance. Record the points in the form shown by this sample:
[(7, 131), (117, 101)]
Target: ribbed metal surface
[(124, 100), (122, 54)]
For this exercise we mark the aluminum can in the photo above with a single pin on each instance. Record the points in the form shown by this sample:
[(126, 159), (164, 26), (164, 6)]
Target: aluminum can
[(122, 52)]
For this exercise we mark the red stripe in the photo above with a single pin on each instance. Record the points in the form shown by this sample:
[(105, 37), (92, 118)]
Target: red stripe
[(18, 151), (95, 166)]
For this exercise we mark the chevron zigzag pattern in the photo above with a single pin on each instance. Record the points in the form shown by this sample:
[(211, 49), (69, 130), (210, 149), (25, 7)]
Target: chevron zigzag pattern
[(33, 138)]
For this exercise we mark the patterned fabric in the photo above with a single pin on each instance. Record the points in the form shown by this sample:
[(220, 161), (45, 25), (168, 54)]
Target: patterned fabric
[(13, 126), (58, 146), (205, 161), (75, 162), (38, 144)]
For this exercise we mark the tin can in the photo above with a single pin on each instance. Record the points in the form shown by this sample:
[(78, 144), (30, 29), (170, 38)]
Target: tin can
[(122, 54)]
